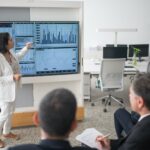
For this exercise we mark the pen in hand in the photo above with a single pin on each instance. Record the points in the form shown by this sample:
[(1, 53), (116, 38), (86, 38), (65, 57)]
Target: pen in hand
[(102, 136), (107, 135), (103, 142)]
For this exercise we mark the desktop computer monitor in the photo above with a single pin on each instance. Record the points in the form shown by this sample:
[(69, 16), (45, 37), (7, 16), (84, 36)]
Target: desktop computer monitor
[(122, 45), (114, 52), (118, 45), (144, 50), (110, 45)]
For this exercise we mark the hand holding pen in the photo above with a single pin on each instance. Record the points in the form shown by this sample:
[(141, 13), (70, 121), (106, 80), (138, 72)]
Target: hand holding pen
[(104, 141)]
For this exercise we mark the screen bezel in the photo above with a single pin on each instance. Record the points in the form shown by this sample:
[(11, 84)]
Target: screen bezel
[(114, 48), (53, 22)]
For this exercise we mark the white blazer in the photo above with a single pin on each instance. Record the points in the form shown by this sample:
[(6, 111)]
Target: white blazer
[(7, 84)]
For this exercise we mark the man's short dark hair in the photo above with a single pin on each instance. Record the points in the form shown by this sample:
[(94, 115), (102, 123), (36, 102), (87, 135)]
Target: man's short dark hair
[(141, 87), (57, 111), (4, 37)]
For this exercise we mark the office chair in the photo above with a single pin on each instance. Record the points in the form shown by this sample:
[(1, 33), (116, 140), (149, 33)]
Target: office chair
[(111, 80)]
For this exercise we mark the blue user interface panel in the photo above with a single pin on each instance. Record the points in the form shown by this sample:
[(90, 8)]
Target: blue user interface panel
[(57, 35), (63, 60), (55, 47)]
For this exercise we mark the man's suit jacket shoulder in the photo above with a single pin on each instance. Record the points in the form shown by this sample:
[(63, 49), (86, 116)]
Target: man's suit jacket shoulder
[(25, 147), (138, 138), (47, 147), (37, 147)]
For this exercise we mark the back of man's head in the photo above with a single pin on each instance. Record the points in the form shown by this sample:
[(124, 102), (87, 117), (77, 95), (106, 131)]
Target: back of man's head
[(141, 87), (57, 112)]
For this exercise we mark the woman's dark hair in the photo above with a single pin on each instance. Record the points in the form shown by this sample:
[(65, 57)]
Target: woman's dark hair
[(4, 37)]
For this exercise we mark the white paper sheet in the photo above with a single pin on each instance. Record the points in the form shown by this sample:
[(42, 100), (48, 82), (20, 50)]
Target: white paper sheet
[(88, 137)]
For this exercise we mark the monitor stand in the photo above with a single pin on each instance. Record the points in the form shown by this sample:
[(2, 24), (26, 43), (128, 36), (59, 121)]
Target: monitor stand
[(140, 59)]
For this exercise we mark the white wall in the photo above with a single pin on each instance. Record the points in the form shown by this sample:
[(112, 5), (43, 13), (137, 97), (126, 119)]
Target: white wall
[(116, 14)]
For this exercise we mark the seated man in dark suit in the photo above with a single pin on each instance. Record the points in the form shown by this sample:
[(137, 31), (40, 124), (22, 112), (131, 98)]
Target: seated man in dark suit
[(139, 137), (124, 121), (57, 119)]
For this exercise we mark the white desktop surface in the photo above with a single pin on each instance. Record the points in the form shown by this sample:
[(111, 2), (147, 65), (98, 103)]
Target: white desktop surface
[(93, 66)]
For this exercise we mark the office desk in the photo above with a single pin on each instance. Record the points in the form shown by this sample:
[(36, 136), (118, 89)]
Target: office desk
[(92, 68)]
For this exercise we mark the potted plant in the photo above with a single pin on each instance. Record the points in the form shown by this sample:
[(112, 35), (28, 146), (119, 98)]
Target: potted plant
[(135, 53)]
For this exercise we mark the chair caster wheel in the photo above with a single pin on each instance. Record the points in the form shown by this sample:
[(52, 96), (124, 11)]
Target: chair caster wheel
[(103, 101), (121, 101), (104, 110), (92, 104)]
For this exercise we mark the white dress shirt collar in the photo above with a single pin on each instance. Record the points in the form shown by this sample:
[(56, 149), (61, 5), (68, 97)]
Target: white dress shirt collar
[(143, 116)]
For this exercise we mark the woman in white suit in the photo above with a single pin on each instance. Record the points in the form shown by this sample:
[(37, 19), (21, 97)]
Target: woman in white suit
[(9, 80)]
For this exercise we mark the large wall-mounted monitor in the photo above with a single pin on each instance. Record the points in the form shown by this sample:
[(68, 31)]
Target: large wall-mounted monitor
[(144, 50), (114, 52), (55, 46)]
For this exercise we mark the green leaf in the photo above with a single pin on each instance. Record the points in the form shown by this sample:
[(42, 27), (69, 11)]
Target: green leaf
[(136, 50)]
